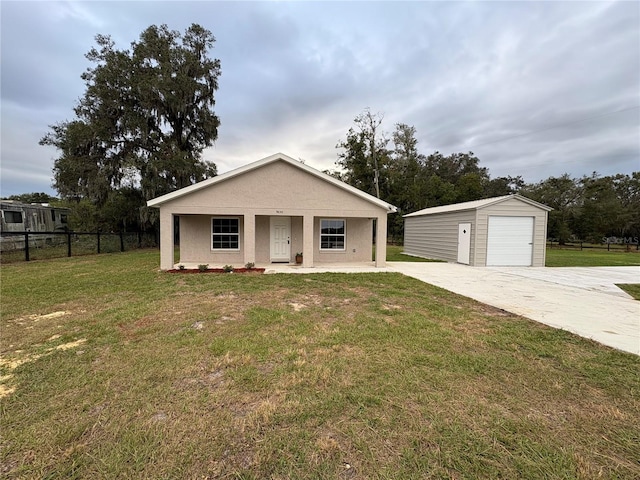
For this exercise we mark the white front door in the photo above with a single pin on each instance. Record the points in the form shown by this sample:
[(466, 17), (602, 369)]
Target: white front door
[(280, 239), (464, 242)]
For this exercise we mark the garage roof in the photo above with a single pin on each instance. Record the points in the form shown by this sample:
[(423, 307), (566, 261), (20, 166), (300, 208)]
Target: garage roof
[(475, 205)]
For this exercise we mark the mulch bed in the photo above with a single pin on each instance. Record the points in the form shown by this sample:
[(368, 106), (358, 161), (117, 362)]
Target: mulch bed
[(216, 270)]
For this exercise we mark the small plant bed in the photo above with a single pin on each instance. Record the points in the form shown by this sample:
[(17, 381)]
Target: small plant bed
[(217, 270)]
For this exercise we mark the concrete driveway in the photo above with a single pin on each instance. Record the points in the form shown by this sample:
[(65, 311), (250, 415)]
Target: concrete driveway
[(582, 300)]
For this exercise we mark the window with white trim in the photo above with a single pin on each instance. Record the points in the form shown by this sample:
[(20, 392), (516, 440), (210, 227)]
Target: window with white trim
[(333, 234), (225, 234)]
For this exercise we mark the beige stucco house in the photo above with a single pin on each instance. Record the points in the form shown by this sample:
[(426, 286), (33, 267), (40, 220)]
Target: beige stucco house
[(268, 211)]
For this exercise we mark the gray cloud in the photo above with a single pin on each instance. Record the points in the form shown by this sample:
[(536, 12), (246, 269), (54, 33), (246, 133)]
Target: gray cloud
[(523, 84)]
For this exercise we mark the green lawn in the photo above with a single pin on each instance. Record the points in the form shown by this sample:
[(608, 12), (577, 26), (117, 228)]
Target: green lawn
[(112, 369), (632, 289), (557, 257), (394, 254)]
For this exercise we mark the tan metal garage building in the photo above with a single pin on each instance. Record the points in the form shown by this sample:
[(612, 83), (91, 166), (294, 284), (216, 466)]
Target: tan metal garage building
[(500, 231)]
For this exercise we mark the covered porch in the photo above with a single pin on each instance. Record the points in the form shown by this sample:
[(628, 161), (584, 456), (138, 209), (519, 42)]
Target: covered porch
[(268, 240)]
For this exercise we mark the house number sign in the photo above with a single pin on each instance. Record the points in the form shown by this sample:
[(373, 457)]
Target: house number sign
[(279, 211)]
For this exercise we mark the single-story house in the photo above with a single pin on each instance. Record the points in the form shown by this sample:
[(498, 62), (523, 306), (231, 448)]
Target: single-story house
[(502, 231), (267, 212)]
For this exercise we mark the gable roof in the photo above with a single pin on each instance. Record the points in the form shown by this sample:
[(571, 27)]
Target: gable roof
[(476, 204), (156, 202)]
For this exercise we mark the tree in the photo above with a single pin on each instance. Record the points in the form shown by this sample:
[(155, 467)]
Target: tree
[(440, 192), (455, 166), (563, 194), (353, 162), (406, 170), (497, 187), (591, 207), (144, 120), (454, 178), (35, 197), (405, 181), (470, 186), (369, 124), (365, 155), (627, 188), (609, 207)]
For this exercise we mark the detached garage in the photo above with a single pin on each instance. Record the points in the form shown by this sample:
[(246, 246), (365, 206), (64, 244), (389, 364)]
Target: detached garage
[(501, 231)]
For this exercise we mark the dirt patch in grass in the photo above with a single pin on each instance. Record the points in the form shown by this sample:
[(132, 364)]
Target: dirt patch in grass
[(4, 389), (12, 360), (38, 317)]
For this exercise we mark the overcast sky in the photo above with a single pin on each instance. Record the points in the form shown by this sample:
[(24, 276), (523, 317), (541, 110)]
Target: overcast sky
[(536, 89)]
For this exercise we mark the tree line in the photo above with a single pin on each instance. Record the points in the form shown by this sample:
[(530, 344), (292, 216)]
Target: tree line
[(392, 168)]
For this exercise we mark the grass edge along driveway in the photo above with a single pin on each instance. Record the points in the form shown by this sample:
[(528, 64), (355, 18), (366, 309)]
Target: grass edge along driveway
[(117, 370)]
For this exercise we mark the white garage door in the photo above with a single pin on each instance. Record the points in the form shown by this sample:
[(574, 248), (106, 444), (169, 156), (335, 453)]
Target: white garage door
[(510, 241)]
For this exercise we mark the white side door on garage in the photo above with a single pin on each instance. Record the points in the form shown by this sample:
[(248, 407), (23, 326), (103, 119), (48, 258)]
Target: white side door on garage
[(464, 242), (510, 241)]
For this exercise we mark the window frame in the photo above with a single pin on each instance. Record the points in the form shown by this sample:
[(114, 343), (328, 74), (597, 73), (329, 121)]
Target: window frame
[(13, 214), (343, 235), (214, 234)]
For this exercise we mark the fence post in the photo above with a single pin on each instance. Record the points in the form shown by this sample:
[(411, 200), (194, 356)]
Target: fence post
[(26, 246), (98, 235), (68, 244), (121, 242)]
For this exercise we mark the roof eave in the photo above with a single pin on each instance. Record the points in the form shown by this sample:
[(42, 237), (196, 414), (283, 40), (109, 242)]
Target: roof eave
[(418, 214), (157, 202), (495, 201)]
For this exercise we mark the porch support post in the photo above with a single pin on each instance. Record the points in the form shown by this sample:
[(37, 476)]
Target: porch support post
[(249, 238), (166, 239), (307, 241), (381, 241)]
